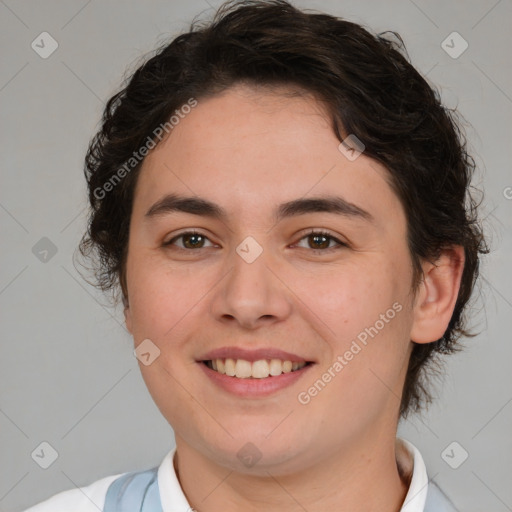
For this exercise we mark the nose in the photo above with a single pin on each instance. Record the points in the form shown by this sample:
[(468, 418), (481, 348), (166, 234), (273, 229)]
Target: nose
[(251, 294)]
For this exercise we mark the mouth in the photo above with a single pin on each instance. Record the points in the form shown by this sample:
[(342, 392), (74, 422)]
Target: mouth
[(259, 369), (253, 373)]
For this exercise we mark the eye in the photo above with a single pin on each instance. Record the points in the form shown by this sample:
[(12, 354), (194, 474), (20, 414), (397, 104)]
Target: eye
[(191, 240), (321, 241)]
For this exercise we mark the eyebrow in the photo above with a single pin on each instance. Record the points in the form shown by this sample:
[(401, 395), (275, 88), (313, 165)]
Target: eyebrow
[(199, 206)]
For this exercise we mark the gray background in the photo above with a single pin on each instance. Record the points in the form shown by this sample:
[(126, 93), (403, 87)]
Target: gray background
[(68, 376)]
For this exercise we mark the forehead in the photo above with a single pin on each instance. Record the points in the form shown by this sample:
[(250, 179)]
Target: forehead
[(250, 148)]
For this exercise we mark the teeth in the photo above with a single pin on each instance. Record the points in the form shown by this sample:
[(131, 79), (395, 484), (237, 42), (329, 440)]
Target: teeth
[(260, 369), (229, 366), (276, 367), (243, 369)]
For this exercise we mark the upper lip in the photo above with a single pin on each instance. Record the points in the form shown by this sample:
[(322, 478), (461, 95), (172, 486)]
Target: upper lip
[(251, 355)]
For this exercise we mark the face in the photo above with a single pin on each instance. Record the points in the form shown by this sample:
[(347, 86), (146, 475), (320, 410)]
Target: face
[(326, 288)]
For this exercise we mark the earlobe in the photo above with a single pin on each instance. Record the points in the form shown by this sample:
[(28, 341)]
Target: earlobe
[(436, 298), (128, 317)]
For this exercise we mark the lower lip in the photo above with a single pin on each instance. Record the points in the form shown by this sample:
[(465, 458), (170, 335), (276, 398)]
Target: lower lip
[(254, 387)]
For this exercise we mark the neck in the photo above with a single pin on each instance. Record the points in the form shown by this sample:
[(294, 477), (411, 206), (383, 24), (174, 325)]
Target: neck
[(351, 478)]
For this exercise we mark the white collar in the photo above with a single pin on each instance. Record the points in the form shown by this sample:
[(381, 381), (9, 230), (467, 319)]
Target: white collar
[(410, 457), (409, 460)]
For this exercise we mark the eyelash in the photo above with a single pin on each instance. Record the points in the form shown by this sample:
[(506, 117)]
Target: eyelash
[(308, 234)]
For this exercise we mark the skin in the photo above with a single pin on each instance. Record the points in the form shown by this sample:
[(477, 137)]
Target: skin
[(249, 150)]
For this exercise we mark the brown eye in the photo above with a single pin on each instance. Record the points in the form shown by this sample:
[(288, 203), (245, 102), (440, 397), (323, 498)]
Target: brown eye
[(321, 240), (190, 240)]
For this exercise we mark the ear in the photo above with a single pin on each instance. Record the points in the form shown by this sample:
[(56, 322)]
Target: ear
[(127, 316), (437, 295)]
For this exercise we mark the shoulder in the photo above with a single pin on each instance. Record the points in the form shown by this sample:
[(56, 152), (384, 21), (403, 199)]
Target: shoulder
[(82, 499)]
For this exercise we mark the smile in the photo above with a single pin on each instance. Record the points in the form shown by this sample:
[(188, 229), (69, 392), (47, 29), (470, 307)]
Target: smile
[(260, 369)]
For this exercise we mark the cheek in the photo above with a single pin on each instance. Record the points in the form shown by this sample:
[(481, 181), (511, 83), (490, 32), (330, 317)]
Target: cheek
[(150, 291), (351, 298), (365, 318), (163, 295)]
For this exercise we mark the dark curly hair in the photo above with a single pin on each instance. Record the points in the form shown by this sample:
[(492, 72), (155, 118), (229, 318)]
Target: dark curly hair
[(369, 89)]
